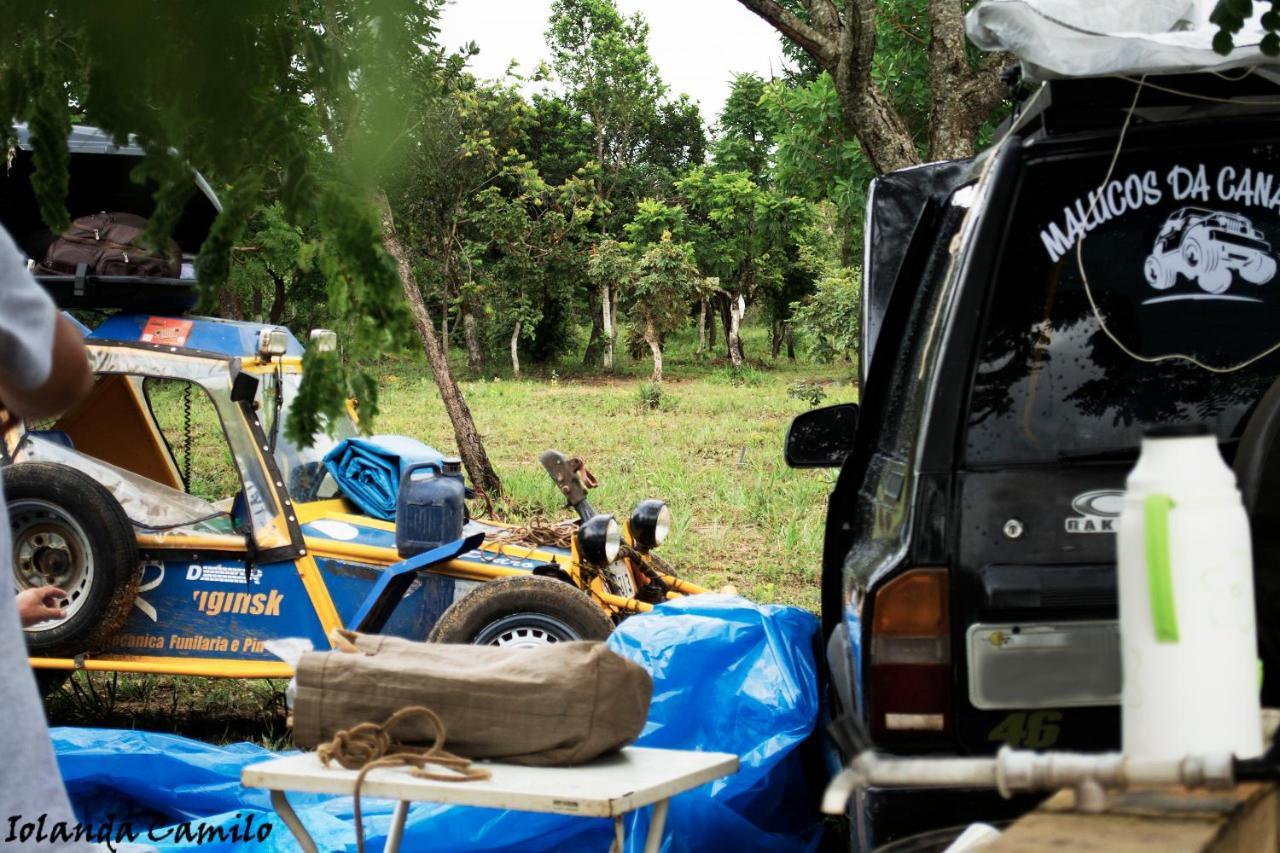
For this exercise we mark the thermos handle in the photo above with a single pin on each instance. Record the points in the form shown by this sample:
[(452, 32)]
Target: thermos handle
[(1155, 517)]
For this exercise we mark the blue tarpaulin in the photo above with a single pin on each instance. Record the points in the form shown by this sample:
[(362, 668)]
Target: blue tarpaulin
[(729, 676), (368, 470)]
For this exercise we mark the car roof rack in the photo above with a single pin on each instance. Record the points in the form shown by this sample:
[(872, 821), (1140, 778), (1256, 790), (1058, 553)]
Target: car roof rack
[(127, 293), (1099, 104)]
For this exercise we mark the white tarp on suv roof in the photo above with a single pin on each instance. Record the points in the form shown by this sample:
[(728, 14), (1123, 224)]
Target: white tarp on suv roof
[(1085, 38)]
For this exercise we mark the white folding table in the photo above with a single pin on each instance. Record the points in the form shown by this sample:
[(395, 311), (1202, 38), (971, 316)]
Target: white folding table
[(611, 786)]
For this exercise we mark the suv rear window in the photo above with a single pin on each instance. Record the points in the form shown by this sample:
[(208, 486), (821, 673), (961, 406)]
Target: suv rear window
[(1180, 255)]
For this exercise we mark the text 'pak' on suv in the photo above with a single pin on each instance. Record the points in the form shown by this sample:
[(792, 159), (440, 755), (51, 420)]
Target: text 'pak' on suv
[(1016, 349)]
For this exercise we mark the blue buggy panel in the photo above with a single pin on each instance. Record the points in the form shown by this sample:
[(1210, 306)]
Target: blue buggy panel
[(211, 609), (233, 338), (728, 676), (418, 611)]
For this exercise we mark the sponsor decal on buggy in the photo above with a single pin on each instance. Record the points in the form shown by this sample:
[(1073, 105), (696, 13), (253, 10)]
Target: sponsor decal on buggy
[(146, 585), (189, 643), (222, 574), (245, 603), (168, 331), (338, 530), (1097, 511), (492, 559)]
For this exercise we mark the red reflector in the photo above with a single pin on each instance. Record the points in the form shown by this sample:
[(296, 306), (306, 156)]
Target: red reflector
[(909, 697)]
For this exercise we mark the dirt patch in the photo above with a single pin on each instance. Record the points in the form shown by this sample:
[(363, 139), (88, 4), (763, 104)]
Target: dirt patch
[(210, 709)]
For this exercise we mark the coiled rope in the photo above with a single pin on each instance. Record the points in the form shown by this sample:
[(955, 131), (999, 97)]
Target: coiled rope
[(368, 746)]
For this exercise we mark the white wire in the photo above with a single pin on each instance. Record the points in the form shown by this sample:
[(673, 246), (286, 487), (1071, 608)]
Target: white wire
[(1088, 290), (1266, 102)]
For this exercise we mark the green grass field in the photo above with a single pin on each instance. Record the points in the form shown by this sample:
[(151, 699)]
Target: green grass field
[(712, 449)]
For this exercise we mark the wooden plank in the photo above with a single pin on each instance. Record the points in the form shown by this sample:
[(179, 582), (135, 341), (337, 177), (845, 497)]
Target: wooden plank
[(1242, 820)]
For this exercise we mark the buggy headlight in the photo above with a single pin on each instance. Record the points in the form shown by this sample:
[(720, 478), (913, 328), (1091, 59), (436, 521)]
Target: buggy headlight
[(272, 342), (599, 540), (650, 523), (324, 340)]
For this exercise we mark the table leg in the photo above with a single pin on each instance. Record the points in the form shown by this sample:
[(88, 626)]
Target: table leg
[(397, 826), (280, 803), (657, 823), (619, 844)]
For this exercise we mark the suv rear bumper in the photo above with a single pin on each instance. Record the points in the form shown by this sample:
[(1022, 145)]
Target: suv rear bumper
[(882, 815)]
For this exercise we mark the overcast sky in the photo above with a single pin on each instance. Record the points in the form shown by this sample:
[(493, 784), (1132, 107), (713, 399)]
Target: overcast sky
[(698, 45)]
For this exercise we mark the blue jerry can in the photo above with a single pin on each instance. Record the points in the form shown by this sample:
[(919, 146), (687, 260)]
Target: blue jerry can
[(430, 509)]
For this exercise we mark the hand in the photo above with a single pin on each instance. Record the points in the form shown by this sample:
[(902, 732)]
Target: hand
[(40, 604)]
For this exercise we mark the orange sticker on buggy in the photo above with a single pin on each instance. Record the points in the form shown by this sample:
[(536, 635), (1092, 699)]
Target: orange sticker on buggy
[(166, 330)]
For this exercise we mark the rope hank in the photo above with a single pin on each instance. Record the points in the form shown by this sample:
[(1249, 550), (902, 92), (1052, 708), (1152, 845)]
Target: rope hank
[(538, 532), (368, 746)]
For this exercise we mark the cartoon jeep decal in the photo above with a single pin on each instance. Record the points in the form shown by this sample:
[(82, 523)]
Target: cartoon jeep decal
[(1208, 247)]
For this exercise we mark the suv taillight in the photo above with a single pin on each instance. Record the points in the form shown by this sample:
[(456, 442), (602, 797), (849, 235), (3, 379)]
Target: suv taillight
[(910, 668)]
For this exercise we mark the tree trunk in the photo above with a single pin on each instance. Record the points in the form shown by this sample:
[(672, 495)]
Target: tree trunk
[(515, 350), (278, 301), (594, 355), (606, 318), (702, 327), (257, 305), (841, 39), (711, 326), (613, 327), (961, 97), (444, 323), (470, 444), (229, 304), (655, 346), (722, 304), (737, 307), (475, 355), (791, 343), (775, 339)]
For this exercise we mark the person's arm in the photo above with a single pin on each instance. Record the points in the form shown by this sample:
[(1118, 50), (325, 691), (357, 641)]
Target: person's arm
[(43, 365), (69, 378)]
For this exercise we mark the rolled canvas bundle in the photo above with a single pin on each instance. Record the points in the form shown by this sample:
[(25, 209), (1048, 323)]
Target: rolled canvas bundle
[(563, 704)]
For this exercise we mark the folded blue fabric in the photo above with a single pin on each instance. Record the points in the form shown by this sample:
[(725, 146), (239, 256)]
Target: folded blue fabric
[(728, 676), (368, 470)]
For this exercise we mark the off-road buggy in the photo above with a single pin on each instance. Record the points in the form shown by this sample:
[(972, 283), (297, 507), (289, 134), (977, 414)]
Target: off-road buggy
[(1016, 349), (188, 530)]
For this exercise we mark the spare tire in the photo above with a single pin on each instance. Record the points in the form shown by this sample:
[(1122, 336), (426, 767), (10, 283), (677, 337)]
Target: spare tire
[(522, 612), (69, 531)]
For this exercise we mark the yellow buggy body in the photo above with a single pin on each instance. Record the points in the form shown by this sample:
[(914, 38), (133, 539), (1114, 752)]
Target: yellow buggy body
[(283, 554)]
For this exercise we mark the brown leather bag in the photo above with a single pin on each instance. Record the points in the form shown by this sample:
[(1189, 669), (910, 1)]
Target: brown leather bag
[(566, 703), (109, 244)]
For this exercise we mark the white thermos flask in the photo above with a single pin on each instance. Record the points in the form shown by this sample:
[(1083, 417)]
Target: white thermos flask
[(1185, 572)]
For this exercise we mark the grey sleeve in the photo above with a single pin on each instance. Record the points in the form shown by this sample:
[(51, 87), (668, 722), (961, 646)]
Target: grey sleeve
[(27, 320)]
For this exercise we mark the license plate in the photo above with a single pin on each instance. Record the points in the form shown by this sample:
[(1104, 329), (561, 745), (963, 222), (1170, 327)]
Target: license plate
[(1034, 665), (620, 579)]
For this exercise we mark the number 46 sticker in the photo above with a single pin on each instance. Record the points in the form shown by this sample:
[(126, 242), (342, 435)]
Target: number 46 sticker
[(1034, 730)]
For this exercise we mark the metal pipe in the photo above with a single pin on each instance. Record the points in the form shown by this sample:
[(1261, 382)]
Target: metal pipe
[(1017, 771)]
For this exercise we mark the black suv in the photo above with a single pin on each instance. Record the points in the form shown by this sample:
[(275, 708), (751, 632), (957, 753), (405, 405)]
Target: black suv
[(1016, 348)]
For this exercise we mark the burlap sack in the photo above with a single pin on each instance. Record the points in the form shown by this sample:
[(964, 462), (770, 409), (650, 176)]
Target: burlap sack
[(564, 704)]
